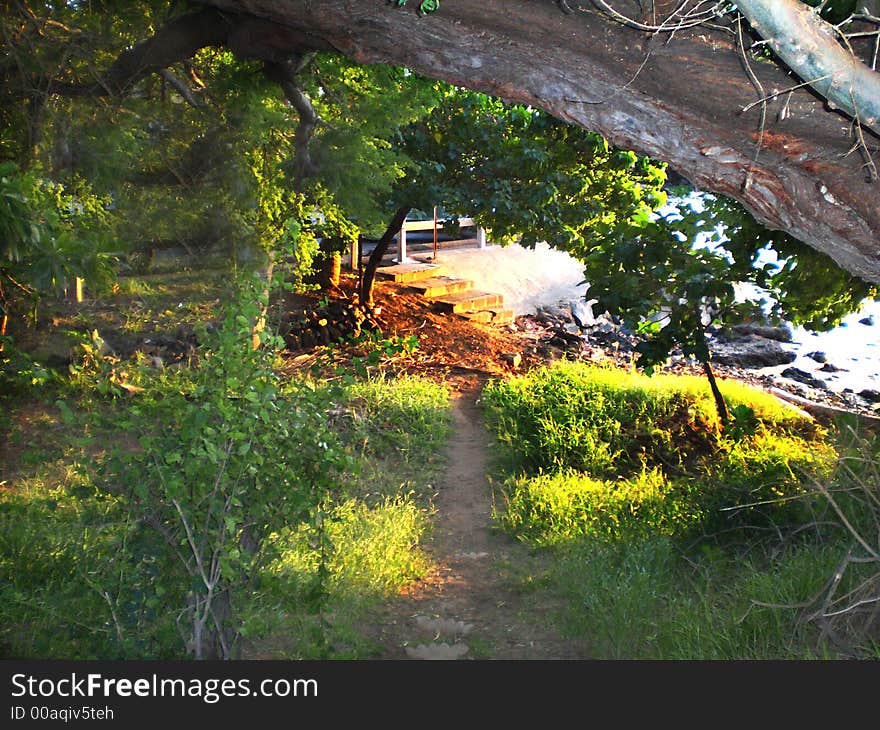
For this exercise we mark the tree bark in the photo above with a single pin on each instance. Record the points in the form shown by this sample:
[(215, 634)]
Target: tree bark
[(720, 403), (809, 46), (378, 253), (678, 98)]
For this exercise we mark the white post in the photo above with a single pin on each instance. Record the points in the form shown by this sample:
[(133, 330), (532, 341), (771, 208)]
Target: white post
[(401, 245), (481, 237), (353, 254)]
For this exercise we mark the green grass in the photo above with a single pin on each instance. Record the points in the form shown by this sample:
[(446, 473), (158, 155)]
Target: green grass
[(327, 581), (311, 603), (407, 415), (640, 599), (551, 508), (670, 537), (65, 589), (396, 427), (77, 579), (591, 450), (606, 421)]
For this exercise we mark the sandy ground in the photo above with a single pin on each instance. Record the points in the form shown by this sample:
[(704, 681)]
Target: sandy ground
[(527, 278)]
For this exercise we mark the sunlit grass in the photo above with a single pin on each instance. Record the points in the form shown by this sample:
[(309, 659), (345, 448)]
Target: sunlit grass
[(408, 414), (671, 536), (551, 508), (76, 577)]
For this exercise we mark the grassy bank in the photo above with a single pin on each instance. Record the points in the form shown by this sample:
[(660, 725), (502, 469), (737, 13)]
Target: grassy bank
[(673, 537)]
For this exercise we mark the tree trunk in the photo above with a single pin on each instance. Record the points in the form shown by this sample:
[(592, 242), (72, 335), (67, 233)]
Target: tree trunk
[(378, 253), (215, 638), (328, 267), (720, 404)]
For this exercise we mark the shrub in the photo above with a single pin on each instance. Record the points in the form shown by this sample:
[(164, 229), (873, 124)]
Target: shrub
[(223, 462)]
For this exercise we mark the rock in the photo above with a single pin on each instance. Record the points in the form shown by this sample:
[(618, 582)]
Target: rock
[(441, 626), (867, 321), (582, 313), (751, 352), (753, 329), (607, 335), (437, 651), (512, 360), (564, 339), (817, 356), (801, 376), (549, 352), (58, 350), (829, 368), (872, 396)]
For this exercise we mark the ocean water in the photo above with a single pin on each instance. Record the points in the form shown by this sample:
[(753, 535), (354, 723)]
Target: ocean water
[(852, 346)]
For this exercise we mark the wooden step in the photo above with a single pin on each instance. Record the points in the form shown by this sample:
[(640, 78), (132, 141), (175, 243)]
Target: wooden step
[(404, 273), (469, 301), (490, 316), (437, 286)]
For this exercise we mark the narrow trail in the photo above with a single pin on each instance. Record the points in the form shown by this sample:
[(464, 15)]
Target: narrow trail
[(469, 606)]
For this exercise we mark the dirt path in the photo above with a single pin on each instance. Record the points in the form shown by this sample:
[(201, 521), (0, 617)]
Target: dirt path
[(469, 607)]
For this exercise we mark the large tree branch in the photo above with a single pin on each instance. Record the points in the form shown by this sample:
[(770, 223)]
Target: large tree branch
[(810, 47), (245, 35), (678, 98), (176, 41), (284, 74), (188, 96)]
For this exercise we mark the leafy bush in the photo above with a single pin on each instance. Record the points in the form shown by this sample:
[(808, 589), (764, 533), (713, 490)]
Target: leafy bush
[(49, 235), (222, 464)]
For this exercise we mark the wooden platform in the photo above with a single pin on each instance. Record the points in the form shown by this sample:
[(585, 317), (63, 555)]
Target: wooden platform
[(437, 286), (468, 301), (404, 273), (449, 294)]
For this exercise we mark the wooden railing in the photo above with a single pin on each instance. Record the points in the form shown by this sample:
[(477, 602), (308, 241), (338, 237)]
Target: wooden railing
[(429, 225), (435, 225)]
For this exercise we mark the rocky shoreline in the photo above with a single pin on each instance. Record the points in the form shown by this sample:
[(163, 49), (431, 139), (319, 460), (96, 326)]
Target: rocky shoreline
[(751, 353)]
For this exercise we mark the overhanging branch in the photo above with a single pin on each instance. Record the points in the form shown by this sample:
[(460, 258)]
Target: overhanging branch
[(809, 46), (246, 36)]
